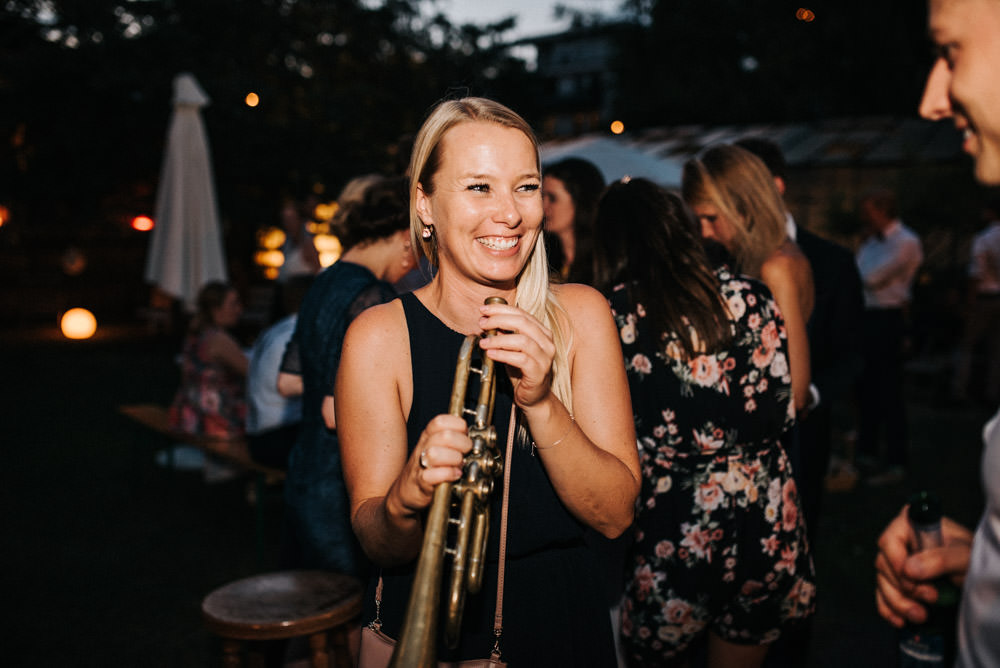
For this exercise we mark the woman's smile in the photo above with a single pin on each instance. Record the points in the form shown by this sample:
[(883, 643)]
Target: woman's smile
[(499, 243)]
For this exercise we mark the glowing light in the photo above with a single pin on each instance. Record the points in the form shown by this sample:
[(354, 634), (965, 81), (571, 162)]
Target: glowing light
[(78, 323), (617, 127), (4, 215), (315, 228), (269, 258), (325, 211), (73, 261), (143, 223), (252, 99), (271, 238), (806, 15), (329, 248)]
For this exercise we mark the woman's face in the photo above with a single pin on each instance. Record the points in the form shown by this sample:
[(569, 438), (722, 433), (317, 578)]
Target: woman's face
[(486, 208), (558, 205), (228, 313), (714, 224)]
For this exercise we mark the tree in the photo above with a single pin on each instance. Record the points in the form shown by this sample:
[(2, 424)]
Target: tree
[(86, 99), (723, 61)]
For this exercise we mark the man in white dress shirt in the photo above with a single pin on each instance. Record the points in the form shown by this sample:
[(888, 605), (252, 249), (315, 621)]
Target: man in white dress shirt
[(888, 262), (982, 320), (964, 86)]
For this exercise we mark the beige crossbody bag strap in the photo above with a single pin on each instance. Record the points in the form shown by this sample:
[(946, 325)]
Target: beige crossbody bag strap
[(498, 617)]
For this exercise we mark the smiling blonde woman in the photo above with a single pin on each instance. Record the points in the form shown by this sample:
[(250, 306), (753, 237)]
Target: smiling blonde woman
[(476, 209)]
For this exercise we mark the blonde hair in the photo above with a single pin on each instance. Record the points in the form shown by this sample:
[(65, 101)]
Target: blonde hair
[(739, 184), (533, 292)]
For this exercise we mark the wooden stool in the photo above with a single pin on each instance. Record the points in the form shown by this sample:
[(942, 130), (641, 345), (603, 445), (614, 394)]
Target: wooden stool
[(282, 605)]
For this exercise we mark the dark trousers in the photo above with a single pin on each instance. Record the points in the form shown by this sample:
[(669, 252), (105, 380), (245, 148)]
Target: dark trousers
[(271, 448), (814, 460), (880, 388)]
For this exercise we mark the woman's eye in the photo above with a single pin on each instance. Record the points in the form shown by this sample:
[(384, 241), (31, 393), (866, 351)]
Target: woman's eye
[(530, 187), (479, 187)]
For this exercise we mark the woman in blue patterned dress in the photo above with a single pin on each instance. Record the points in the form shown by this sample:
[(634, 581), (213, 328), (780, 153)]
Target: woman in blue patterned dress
[(373, 228), (720, 545)]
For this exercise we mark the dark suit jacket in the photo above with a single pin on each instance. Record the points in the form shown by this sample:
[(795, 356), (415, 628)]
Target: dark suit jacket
[(834, 328), (834, 331)]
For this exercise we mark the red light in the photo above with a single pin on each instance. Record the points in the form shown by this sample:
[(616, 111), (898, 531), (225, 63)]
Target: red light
[(142, 223)]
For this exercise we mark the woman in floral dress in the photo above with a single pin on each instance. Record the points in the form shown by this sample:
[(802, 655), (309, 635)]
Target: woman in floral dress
[(720, 548), (211, 399)]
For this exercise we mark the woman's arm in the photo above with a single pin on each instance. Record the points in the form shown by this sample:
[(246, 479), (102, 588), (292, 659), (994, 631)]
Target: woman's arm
[(388, 490), (590, 458), (790, 280), (290, 384), (227, 351)]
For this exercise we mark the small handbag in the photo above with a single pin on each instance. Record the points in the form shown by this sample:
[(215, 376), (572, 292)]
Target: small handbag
[(377, 647)]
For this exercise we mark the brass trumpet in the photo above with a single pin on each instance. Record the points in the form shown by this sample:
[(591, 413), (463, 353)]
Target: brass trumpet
[(470, 498)]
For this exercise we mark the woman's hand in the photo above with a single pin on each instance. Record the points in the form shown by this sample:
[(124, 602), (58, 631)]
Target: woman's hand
[(437, 458), (524, 345)]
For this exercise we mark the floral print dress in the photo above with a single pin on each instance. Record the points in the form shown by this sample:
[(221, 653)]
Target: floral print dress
[(211, 400), (720, 540)]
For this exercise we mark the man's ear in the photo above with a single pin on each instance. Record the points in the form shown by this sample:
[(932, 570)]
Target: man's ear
[(779, 183)]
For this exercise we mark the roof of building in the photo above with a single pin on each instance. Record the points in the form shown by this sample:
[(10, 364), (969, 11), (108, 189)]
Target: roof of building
[(867, 141)]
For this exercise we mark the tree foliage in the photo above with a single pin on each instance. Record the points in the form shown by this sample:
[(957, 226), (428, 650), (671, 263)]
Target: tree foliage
[(87, 88), (721, 61)]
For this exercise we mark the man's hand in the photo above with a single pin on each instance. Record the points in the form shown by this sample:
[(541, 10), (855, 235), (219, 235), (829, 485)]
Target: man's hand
[(904, 581)]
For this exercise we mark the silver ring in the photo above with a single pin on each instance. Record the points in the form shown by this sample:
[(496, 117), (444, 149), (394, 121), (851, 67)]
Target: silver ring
[(423, 459)]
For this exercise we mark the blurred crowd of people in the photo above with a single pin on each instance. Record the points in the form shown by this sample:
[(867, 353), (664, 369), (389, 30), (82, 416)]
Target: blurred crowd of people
[(671, 363)]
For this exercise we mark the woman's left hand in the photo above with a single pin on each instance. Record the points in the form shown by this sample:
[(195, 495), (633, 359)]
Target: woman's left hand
[(524, 345)]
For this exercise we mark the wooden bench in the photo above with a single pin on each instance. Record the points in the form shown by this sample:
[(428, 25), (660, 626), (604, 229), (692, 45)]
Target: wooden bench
[(233, 451)]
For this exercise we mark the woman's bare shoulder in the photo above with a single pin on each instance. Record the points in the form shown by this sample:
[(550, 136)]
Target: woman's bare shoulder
[(788, 261), (580, 299), (217, 339), (586, 308), (379, 325)]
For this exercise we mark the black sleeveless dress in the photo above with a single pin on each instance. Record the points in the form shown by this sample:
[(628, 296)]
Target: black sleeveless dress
[(553, 610)]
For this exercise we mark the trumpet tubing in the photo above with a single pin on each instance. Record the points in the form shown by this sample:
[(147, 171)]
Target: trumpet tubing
[(470, 496)]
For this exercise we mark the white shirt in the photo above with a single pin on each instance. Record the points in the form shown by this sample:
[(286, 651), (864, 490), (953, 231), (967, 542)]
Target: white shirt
[(790, 228), (985, 264), (888, 266), (979, 612), (266, 408)]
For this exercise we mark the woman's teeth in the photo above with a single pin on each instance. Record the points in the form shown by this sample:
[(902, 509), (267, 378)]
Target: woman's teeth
[(498, 243)]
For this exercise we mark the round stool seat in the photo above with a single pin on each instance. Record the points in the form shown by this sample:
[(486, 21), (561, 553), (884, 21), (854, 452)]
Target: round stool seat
[(285, 604)]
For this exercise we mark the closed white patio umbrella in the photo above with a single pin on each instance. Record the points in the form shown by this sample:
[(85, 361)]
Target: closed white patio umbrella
[(185, 249)]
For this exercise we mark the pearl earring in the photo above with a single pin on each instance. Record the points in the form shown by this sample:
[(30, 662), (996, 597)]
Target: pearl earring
[(426, 232)]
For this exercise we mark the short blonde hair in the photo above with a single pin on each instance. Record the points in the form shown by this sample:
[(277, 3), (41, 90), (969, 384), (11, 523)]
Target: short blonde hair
[(534, 293), (739, 184)]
